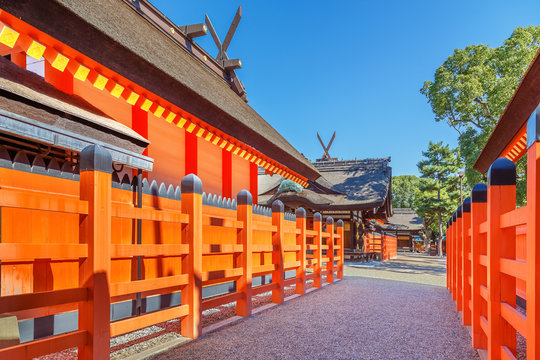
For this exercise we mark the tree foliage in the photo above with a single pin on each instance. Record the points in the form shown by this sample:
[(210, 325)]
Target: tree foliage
[(403, 190), (472, 87), (438, 193)]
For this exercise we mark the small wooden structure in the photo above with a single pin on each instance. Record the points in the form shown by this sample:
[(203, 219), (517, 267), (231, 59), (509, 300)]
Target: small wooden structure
[(493, 247), (405, 224)]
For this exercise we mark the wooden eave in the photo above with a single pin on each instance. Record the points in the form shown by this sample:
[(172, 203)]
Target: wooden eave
[(514, 118), (81, 35)]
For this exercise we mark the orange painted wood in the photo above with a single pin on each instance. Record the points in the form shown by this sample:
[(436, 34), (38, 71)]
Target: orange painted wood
[(515, 268), (478, 275), (484, 227), (260, 226), (291, 265), (516, 319), (220, 300), (192, 235), (130, 287), (138, 322), (317, 252), (39, 200), (222, 248), (483, 260), (22, 252), (292, 281), (130, 250), (221, 222), (301, 254), (263, 248), (278, 275), (94, 272), (466, 267), (506, 354), (221, 275), (311, 233), (514, 217), (484, 325), (245, 260), (501, 287), (484, 292), (20, 302), (45, 346), (264, 288), (330, 252), (264, 269), (459, 263), (533, 251), (145, 213)]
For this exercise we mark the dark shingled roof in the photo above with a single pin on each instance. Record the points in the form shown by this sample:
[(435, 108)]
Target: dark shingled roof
[(404, 219), (112, 33), (344, 185)]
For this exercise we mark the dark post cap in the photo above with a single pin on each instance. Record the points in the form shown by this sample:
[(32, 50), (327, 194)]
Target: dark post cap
[(301, 213), (502, 172), (339, 223), (191, 184), (244, 198), (458, 211), (95, 158), (450, 221), (329, 220), (277, 206), (454, 217), (317, 217), (467, 205), (479, 193)]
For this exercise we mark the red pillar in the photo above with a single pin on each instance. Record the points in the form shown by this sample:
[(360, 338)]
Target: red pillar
[(226, 173), (254, 181), (191, 153), (245, 238)]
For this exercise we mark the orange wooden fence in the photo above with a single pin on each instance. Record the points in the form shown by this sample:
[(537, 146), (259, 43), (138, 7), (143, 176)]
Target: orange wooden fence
[(493, 262), (385, 245), (74, 245)]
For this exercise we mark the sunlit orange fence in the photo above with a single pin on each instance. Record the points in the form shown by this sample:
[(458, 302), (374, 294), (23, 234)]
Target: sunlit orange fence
[(84, 242), (493, 261), (383, 244)]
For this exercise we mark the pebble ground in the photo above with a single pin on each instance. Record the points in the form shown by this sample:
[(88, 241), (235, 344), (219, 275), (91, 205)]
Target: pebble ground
[(396, 310)]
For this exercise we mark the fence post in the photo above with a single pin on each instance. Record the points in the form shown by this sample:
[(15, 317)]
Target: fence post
[(244, 213), (454, 257), (467, 280), (478, 272), (341, 251), (459, 241), (301, 254), (278, 275), (330, 250), (191, 187), (501, 243), (317, 253), (533, 242), (95, 231), (448, 257)]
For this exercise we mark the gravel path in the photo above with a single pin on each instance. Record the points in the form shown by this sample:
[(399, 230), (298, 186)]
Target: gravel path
[(397, 310)]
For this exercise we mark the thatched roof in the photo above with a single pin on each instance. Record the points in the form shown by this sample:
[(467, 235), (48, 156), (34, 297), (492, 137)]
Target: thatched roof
[(114, 34)]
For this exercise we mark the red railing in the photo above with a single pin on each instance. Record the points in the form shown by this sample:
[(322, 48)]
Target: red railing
[(84, 235), (383, 244), (493, 262)]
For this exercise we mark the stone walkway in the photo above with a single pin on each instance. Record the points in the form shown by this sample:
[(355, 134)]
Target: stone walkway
[(396, 310)]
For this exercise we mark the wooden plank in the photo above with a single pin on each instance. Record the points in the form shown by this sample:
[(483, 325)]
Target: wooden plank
[(483, 227), (311, 276), (291, 265), (311, 233), (516, 319), (128, 211), (325, 234), (514, 218), (129, 250), (292, 281), (38, 200), (262, 226), (130, 287), (12, 303), (220, 300), (138, 322), (221, 274), (484, 324), (483, 260), (257, 270), (484, 292), (506, 354), (264, 288), (28, 251), (515, 268), (311, 246), (221, 222), (209, 249), (291, 247), (263, 248), (46, 346)]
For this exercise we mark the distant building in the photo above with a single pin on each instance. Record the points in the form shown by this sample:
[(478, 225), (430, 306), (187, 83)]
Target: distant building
[(406, 225)]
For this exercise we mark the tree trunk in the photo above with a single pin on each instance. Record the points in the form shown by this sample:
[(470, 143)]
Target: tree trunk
[(440, 225)]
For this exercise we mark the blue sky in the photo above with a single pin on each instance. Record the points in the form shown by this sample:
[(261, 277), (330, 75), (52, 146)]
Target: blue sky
[(351, 66)]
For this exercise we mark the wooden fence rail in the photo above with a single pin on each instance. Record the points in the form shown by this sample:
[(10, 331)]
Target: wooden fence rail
[(384, 245), (493, 262), (115, 247)]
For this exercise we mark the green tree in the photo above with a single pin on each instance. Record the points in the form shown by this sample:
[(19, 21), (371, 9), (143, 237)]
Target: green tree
[(403, 190), (438, 194), (472, 87)]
